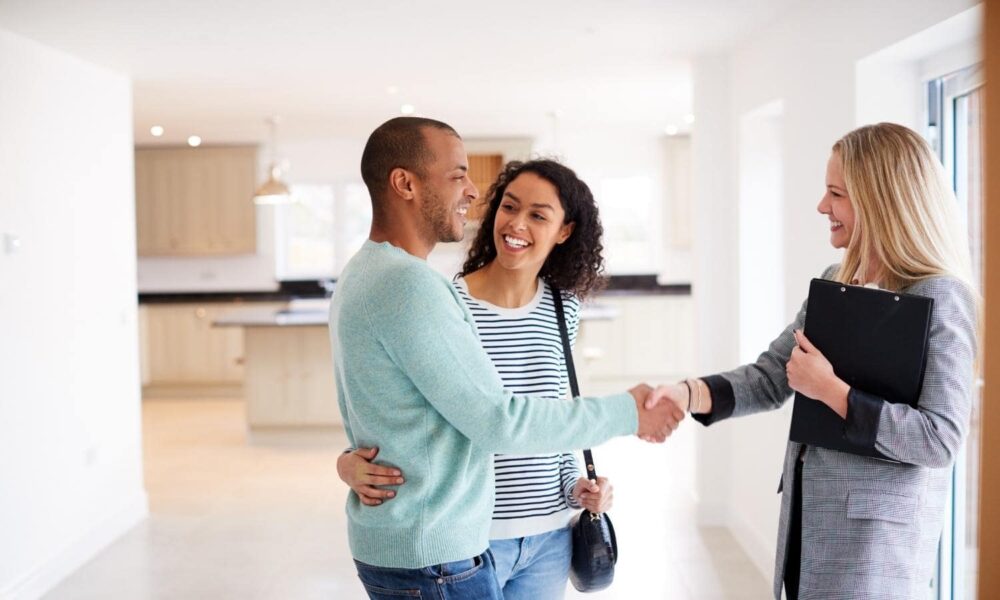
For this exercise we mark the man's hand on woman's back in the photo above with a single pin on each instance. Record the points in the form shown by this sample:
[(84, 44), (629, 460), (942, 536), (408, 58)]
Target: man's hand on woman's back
[(366, 478)]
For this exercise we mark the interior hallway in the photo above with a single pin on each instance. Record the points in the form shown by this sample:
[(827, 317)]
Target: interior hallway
[(266, 521)]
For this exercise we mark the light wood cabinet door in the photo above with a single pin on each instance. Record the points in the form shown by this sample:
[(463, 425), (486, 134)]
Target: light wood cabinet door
[(183, 348), (289, 377), (195, 201), (154, 184)]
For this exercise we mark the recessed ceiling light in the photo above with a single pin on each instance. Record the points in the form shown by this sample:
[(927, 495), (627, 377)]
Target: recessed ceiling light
[(156, 130), (671, 130), (407, 109), (194, 141), (391, 90), (689, 118)]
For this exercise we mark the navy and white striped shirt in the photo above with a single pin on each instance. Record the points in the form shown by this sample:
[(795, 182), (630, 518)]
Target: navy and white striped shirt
[(533, 492)]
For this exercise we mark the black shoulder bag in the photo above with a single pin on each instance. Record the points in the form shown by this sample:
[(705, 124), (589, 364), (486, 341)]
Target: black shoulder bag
[(595, 548)]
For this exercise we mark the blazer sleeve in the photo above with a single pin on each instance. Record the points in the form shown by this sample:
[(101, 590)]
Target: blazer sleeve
[(759, 386), (931, 434)]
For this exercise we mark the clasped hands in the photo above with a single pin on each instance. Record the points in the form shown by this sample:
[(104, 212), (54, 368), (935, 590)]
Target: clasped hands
[(660, 409)]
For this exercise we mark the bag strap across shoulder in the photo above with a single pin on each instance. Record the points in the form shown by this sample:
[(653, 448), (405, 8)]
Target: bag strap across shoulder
[(588, 457)]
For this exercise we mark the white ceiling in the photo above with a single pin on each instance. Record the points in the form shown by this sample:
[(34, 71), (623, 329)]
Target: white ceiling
[(219, 68)]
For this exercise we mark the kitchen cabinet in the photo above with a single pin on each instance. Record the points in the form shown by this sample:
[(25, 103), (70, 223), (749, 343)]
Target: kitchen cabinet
[(289, 385), (651, 339), (289, 377), (183, 355), (195, 201)]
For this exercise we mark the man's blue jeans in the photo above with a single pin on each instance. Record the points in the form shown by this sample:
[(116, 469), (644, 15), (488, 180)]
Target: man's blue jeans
[(534, 567), (472, 578)]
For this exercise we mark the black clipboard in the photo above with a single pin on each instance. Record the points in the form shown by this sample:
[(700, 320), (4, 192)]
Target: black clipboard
[(876, 341)]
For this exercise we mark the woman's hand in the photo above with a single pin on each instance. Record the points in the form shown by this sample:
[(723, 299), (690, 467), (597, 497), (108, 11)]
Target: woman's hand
[(595, 496), (810, 373), (356, 470)]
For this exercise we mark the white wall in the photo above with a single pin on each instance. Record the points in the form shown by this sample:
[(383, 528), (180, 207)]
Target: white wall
[(676, 223), (70, 434), (761, 219), (598, 152), (715, 284), (808, 60)]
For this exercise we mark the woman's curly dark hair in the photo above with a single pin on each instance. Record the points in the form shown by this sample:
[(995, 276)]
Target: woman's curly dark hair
[(576, 265)]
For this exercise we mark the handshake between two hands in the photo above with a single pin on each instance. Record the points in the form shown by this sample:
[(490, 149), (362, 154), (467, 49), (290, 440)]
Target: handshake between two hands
[(660, 409)]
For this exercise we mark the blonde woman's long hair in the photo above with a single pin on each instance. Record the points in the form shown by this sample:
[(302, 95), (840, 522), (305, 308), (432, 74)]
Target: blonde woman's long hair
[(906, 216)]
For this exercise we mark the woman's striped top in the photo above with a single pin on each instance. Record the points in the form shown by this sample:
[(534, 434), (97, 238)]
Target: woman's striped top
[(533, 492)]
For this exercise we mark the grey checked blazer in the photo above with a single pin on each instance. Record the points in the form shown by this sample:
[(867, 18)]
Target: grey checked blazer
[(870, 527)]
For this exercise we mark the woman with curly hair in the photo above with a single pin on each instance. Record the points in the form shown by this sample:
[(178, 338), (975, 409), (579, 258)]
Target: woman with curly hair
[(541, 234)]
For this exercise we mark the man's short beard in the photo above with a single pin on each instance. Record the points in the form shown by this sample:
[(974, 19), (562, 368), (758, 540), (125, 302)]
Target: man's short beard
[(437, 219)]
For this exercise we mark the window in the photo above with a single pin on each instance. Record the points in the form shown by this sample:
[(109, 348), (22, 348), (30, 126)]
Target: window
[(955, 129), (320, 229), (629, 219)]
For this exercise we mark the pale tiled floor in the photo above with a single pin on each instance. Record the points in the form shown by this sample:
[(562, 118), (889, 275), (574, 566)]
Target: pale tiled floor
[(234, 520)]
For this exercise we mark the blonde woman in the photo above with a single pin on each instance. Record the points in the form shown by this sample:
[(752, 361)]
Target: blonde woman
[(853, 526)]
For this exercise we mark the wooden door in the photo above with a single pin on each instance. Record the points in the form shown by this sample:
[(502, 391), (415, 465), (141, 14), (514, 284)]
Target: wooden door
[(483, 171)]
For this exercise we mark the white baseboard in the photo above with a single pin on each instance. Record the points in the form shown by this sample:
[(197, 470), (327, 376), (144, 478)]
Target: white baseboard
[(47, 575), (759, 549)]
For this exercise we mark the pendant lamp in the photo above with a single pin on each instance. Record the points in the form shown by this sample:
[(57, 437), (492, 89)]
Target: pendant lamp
[(273, 190)]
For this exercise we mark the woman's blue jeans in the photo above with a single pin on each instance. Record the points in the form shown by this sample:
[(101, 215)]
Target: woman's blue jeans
[(534, 567)]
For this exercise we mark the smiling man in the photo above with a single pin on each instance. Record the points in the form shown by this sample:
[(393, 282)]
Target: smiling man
[(414, 381)]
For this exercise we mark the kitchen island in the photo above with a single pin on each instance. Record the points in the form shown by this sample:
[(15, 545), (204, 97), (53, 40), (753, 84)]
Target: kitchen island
[(288, 382)]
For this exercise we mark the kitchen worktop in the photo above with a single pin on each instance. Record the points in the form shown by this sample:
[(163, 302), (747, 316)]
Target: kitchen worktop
[(292, 316), (313, 312)]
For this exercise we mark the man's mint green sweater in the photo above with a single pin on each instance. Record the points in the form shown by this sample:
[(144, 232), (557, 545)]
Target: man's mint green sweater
[(413, 380)]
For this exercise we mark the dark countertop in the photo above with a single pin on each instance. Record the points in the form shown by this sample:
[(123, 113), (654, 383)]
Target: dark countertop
[(643, 284), (236, 296), (286, 291), (618, 285)]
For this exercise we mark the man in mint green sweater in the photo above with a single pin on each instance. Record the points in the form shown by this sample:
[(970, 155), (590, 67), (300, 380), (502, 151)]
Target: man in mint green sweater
[(413, 380)]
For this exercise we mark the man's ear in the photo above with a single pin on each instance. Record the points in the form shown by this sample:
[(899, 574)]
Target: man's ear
[(401, 183)]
